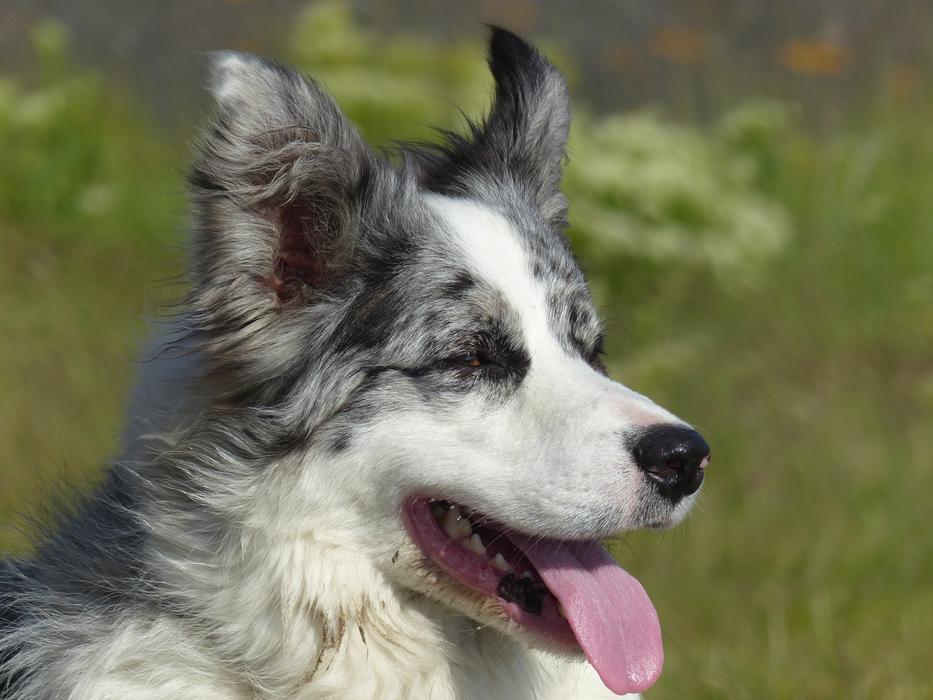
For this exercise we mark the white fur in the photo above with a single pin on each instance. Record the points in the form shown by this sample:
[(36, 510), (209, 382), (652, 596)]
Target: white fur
[(230, 77), (296, 578), (317, 591)]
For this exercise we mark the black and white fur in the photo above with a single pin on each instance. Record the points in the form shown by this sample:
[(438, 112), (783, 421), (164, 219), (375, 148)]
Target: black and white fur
[(248, 543)]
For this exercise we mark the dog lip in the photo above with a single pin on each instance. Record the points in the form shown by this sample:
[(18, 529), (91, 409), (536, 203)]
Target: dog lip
[(477, 573)]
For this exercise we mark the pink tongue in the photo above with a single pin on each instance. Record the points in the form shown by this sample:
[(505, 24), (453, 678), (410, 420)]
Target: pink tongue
[(610, 614)]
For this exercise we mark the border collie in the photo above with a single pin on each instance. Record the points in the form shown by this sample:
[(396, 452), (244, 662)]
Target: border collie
[(375, 456)]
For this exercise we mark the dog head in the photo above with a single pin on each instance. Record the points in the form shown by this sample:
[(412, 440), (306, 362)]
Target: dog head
[(415, 339)]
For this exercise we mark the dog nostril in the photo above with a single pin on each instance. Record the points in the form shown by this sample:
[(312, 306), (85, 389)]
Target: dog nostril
[(676, 465), (674, 457)]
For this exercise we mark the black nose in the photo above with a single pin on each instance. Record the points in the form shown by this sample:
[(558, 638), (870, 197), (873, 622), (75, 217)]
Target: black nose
[(673, 457)]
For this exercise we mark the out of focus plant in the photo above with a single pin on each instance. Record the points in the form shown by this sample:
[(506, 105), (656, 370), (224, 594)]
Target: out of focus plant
[(393, 87), (77, 159), (645, 188)]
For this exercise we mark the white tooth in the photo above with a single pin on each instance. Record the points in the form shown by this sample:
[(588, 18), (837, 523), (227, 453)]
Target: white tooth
[(456, 525), (500, 563), (560, 610), (475, 544), (526, 574)]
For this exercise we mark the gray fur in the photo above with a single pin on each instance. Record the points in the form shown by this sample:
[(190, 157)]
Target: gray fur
[(276, 359)]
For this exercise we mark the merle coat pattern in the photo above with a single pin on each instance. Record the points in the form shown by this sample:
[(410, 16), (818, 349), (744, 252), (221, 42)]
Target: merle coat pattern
[(359, 327)]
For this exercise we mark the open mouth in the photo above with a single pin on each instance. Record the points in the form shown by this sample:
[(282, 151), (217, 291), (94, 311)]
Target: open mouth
[(571, 593)]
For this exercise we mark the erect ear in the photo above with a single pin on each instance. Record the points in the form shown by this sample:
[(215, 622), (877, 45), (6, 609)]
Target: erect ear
[(276, 186), (529, 122), (525, 133)]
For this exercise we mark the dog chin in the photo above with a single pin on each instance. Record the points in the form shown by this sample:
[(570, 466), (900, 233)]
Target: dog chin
[(652, 512)]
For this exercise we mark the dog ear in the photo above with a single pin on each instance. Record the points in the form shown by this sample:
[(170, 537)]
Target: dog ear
[(524, 136), (275, 186), (278, 187), (529, 122)]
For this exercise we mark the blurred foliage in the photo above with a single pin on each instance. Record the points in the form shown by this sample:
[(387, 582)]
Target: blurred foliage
[(77, 159), (645, 188), (398, 89), (770, 285)]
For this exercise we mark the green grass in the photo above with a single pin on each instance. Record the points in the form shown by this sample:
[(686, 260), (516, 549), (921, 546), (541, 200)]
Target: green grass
[(806, 571)]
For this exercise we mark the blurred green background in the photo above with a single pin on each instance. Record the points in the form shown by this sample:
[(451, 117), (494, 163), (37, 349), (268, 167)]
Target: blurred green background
[(751, 190)]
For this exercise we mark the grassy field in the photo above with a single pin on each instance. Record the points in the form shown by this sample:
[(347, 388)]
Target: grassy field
[(772, 285)]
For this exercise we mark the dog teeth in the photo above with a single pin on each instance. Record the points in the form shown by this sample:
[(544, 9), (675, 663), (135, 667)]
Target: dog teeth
[(456, 525), (475, 544), (500, 563)]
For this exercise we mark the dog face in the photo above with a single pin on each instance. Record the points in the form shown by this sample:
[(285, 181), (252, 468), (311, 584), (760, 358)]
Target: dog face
[(417, 338)]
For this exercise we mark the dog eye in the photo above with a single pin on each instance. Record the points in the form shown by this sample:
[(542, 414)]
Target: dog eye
[(472, 359), (478, 359)]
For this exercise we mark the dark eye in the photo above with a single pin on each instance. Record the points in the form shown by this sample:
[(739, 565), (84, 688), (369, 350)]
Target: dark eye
[(471, 359), (476, 361), (482, 363), (479, 359)]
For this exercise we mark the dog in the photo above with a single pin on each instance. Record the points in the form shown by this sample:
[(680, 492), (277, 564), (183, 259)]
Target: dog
[(374, 456)]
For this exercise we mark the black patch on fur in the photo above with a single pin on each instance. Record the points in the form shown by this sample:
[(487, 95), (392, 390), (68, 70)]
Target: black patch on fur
[(99, 545), (457, 288), (341, 441)]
